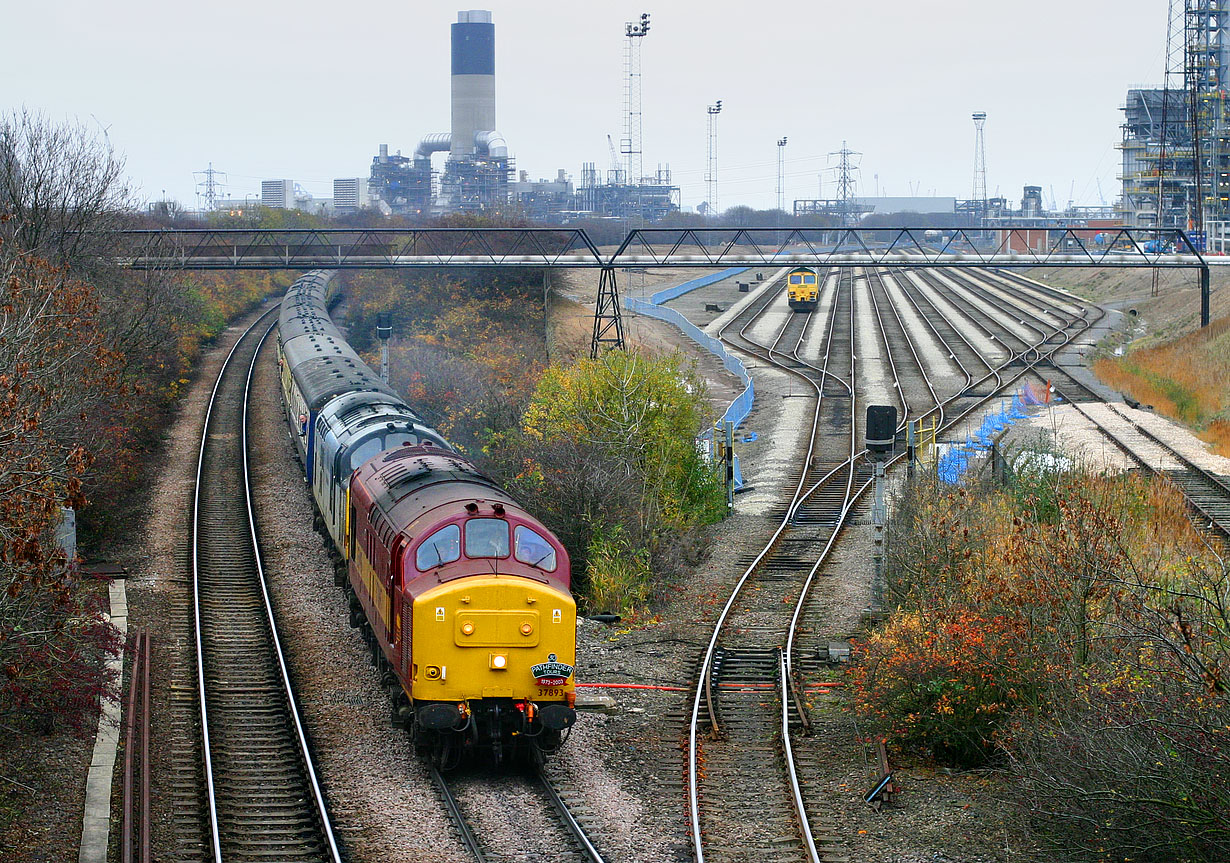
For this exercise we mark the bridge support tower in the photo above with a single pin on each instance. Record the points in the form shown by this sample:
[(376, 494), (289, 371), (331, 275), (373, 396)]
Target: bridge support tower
[(608, 321)]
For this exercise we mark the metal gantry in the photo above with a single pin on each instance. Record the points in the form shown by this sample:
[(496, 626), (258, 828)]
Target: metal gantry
[(644, 248)]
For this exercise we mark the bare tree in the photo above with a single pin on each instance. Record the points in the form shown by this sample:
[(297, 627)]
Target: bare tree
[(63, 186)]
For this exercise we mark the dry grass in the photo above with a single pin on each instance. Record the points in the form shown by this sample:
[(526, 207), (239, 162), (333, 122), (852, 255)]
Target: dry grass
[(1187, 379)]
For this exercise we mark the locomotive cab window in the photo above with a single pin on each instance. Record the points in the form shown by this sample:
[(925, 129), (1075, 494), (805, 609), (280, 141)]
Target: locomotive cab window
[(443, 546), (486, 537), (529, 547), (809, 280), (796, 280)]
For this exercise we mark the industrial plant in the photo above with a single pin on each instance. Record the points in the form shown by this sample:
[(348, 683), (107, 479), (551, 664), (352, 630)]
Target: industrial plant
[(479, 174), (1175, 148)]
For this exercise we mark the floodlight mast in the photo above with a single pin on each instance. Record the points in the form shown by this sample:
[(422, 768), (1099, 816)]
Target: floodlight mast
[(711, 175)]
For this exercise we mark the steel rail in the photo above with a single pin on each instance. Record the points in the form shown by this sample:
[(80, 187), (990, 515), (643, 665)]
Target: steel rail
[(454, 812), (1209, 477), (707, 660), (587, 848), (993, 372), (215, 839), (304, 751), (288, 689)]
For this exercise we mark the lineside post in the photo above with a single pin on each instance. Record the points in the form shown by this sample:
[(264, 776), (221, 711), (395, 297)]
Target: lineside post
[(1204, 295), (384, 330), (881, 430), (608, 322), (730, 464)]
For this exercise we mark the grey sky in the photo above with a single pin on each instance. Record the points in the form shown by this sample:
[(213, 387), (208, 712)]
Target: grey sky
[(308, 90)]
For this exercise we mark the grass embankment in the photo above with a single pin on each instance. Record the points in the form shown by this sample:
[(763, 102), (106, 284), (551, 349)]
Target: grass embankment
[(1187, 379)]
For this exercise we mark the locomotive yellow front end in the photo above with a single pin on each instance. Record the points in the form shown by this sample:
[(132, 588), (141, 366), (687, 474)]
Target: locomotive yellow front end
[(802, 288), (493, 662)]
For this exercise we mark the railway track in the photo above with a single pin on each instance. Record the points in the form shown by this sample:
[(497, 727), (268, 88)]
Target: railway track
[(490, 814), (262, 795), (749, 794), (1207, 493)]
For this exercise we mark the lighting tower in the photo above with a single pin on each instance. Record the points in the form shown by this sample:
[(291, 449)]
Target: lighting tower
[(209, 185), (781, 173), (711, 193), (980, 166), (630, 144)]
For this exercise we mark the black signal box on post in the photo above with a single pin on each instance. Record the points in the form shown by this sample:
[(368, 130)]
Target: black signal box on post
[(881, 429)]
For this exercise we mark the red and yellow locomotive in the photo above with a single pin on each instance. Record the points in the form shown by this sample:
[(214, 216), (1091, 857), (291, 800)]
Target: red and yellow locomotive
[(468, 596)]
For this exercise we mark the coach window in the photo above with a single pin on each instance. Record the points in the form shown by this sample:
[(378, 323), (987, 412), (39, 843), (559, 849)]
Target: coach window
[(441, 547), (486, 537), (531, 548)]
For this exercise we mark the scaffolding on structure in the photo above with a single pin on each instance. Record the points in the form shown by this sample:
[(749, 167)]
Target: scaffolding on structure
[(1176, 139)]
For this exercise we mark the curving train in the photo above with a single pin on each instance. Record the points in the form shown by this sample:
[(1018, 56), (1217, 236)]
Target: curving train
[(462, 596)]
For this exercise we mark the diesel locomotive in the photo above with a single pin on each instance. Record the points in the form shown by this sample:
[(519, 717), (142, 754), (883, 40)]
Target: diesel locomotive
[(462, 596), (803, 288)]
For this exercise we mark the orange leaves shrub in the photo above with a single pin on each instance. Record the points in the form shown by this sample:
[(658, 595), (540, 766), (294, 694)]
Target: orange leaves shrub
[(998, 598), (55, 366), (948, 683), (467, 349)]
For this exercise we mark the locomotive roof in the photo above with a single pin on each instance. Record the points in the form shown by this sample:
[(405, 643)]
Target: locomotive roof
[(408, 472), (356, 413)]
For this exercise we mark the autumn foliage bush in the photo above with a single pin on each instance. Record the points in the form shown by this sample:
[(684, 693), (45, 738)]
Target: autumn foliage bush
[(607, 454), (55, 365), (1075, 630)]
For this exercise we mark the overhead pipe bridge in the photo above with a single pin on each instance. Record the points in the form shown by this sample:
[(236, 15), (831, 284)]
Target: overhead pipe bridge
[(528, 248)]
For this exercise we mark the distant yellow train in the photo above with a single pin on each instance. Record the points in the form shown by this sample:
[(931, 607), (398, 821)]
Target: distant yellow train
[(803, 288)]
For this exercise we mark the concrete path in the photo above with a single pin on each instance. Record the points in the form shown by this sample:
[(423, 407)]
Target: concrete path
[(96, 824)]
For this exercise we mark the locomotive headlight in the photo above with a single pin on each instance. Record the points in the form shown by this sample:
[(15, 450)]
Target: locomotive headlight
[(527, 628), (499, 661), (467, 628)]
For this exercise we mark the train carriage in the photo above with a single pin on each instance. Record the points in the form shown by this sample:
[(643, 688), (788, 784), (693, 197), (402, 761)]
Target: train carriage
[(803, 288), (463, 597), (349, 430)]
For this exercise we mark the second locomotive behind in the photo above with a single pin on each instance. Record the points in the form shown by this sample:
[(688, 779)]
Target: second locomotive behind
[(463, 597)]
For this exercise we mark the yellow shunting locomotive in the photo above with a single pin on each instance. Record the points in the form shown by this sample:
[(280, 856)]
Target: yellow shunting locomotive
[(803, 288)]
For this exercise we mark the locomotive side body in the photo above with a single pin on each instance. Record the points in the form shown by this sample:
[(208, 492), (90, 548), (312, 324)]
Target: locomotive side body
[(803, 288)]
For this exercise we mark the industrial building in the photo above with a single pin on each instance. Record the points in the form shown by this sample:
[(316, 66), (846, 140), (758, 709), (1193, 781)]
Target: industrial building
[(1176, 144), (478, 169), (350, 195), (278, 194)]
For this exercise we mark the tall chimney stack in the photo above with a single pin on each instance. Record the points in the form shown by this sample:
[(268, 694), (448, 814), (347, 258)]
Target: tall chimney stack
[(473, 79)]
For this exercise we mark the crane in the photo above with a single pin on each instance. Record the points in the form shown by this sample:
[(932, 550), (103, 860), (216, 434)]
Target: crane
[(614, 176)]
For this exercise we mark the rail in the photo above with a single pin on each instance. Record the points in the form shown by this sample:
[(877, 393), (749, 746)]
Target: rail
[(315, 802)]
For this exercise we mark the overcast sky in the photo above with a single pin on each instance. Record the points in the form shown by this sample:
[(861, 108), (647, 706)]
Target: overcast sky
[(308, 90)]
